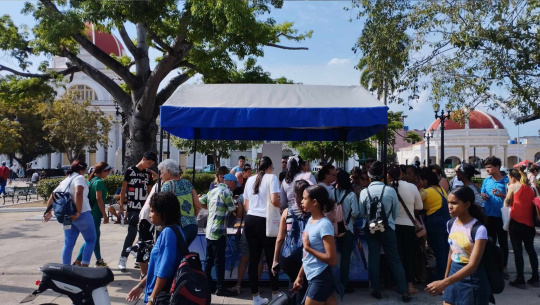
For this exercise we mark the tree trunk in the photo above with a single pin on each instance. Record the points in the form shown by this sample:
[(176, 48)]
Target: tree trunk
[(142, 137)]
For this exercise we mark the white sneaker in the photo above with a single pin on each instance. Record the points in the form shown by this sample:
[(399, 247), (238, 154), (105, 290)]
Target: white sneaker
[(122, 263), (259, 301)]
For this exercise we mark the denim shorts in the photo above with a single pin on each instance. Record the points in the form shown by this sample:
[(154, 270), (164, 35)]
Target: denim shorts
[(321, 287)]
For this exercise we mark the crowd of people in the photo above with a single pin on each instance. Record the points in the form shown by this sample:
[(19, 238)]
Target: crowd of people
[(302, 222)]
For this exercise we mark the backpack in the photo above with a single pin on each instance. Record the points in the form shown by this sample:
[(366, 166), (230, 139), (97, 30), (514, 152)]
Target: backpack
[(492, 259), (292, 249), (376, 218), (336, 216), (63, 205), (190, 286)]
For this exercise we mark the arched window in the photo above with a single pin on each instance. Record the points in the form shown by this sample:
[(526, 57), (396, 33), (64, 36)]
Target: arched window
[(82, 93)]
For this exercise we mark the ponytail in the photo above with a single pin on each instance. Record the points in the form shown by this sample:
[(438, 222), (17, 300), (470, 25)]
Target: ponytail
[(264, 164), (319, 193), (98, 169), (76, 167), (518, 174)]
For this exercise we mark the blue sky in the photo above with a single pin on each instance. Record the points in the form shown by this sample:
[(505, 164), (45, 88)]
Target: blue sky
[(329, 60)]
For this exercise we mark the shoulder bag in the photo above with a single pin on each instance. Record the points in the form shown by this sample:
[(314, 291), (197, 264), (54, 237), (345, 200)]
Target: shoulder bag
[(418, 227), (273, 214)]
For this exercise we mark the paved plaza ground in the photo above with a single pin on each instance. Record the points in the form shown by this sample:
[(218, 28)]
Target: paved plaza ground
[(26, 244)]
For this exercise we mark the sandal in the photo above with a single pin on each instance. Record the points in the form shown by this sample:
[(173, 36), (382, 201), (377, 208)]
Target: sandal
[(76, 263)]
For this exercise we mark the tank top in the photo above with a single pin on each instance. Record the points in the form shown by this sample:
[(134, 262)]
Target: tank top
[(522, 205)]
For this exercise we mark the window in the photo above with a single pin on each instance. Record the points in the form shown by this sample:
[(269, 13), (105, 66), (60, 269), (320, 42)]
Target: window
[(83, 93)]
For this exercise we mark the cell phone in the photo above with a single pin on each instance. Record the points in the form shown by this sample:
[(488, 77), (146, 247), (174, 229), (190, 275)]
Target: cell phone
[(276, 268), (67, 223)]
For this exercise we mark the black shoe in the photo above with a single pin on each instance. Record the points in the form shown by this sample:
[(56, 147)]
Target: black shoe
[(518, 282), (224, 292), (535, 282), (349, 289), (406, 298), (376, 294), (506, 276)]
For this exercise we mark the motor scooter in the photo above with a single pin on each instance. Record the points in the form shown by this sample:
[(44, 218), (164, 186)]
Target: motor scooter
[(82, 285)]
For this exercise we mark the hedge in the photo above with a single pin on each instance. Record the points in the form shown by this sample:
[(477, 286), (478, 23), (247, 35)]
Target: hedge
[(46, 186)]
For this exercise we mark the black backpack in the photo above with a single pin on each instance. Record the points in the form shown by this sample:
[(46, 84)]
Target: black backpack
[(492, 259), (190, 285), (376, 218)]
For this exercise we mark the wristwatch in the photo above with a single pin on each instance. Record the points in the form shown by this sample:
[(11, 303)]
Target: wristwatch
[(151, 301)]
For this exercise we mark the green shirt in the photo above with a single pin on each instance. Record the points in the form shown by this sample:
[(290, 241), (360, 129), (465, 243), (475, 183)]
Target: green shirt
[(219, 201), (95, 185)]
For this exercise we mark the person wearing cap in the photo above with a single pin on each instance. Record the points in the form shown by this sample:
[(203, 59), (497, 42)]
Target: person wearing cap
[(455, 181), (4, 173), (464, 173), (219, 201), (136, 181), (97, 195)]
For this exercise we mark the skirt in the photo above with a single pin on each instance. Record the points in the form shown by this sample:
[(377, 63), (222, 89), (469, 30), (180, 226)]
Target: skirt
[(472, 290)]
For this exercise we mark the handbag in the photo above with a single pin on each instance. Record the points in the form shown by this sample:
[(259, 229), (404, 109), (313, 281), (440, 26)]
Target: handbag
[(273, 214), (419, 229)]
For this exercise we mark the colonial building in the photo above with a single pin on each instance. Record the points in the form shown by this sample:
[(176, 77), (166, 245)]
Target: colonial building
[(475, 137)]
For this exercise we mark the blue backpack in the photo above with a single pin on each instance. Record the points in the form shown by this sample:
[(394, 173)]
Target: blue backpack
[(63, 205), (293, 246)]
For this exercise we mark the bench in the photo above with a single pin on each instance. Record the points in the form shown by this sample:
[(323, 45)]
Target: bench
[(19, 192), (10, 192)]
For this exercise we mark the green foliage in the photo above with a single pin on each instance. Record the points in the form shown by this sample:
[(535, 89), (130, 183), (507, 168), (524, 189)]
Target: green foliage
[(412, 137), (73, 125), (112, 183), (45, 187), (22, 125), (202, 180), (328, 152)]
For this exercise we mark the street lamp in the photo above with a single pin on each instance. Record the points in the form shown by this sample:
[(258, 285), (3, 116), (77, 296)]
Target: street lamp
[(443, 117), (428, 135), (123, 117)]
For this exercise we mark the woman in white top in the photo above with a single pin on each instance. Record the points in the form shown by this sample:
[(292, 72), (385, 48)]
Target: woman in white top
[(82, 220), (405, 231), (294, 173), (256, 194)]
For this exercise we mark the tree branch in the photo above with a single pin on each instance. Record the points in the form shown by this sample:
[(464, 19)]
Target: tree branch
[(284, 47), (123, 99), (127, 40), (157, 40), (527, 118), (173, 84), (107, 60), (68, 71)]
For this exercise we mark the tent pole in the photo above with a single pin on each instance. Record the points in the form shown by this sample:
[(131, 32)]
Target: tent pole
[(160, 154), (385, 141), (194, 155)]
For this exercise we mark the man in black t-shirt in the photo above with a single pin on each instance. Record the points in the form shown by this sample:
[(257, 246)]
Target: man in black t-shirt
[(135, 187)]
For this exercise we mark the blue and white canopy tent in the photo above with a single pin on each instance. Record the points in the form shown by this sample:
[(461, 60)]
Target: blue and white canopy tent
[(273, 112)]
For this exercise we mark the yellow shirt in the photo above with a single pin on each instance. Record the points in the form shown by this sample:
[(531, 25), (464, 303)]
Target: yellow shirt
[(433, 200)]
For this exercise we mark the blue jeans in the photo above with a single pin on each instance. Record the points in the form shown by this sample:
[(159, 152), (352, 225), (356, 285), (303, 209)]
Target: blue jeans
[(387, 240), (84, 225), (190, 232), (438, 239), (3, 187)]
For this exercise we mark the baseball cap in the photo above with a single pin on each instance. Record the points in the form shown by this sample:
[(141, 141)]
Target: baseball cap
[(230, 177), (468, 169), (150, 155)]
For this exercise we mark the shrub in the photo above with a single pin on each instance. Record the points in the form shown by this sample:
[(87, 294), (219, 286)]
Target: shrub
[(45, 187), (202, 181), (113, 182)]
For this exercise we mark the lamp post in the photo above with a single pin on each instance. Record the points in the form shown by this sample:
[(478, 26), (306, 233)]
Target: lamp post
[(123, 117), (443, 117), (428, 135)]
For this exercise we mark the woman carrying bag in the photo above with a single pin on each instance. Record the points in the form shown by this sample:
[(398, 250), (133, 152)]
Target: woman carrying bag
[(82, 221), (262, 204)]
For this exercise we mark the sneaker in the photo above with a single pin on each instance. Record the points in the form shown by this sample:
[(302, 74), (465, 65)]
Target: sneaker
[(224, 292), (122, 263), (101, 263), (518, 282), (506, 276), (136, 265), (535, 282), (259, 301), (237, 288)]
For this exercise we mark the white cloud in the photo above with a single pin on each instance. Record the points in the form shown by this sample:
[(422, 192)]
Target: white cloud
[(338, 61)]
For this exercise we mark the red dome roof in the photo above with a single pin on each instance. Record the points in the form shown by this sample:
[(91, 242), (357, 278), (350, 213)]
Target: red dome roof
[(105, 41), (477, 120)]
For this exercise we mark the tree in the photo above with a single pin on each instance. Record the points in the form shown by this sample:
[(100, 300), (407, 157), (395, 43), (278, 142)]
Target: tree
[(72, 125), (22, 127), (412, 137), (192, 36), (328, 152)]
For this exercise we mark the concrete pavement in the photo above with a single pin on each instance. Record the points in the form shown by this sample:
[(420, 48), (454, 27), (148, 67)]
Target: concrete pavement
[(28, 244)]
